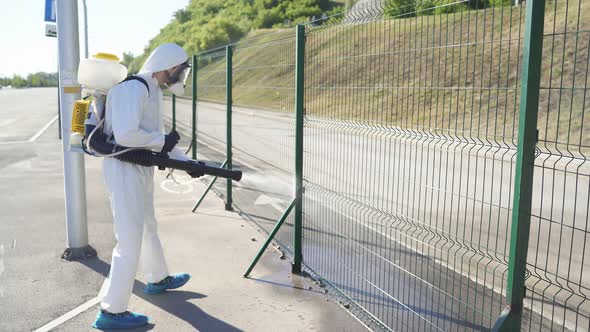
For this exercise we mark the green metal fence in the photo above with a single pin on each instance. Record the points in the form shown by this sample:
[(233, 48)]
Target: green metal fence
[(557, 264), (391, 143), (413, 108), (262, 125)]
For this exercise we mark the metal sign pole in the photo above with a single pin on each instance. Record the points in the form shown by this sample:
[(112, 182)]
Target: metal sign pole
[(85, 29), (58, 106), (74, 176)]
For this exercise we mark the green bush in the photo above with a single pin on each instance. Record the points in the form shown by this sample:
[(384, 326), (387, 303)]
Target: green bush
[(400, 8), (182, 15), (449, 7), (219, 31), (427, 7), (268, 18), (500, 3)]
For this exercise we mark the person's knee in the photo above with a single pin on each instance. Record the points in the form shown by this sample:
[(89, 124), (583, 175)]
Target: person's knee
[(129, 244), (150, 230)]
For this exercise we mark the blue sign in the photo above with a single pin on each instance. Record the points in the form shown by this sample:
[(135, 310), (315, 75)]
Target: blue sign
[(49, 10)]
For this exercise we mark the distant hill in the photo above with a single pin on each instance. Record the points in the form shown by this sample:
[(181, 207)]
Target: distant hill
[(205, 24)]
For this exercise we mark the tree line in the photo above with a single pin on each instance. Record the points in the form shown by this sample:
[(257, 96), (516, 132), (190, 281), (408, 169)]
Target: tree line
[(34, 80)]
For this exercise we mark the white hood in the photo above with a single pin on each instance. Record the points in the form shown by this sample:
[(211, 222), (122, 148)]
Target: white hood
[(164, 57)]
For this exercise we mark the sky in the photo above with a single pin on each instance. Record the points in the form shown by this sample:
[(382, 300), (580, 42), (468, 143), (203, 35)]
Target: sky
[(114, 26)]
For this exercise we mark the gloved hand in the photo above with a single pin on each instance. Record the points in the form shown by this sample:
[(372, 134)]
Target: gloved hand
[(196, 173), (170, 141)]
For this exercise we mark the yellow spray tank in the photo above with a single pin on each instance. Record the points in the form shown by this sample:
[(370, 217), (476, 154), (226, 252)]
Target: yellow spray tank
[(101, 72), (79, 115), (97, 75)]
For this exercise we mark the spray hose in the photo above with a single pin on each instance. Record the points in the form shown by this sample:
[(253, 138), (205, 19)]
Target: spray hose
[(98, 141)]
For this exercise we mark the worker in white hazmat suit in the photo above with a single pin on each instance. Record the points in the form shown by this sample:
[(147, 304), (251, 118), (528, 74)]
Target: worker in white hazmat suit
[(134, 118)]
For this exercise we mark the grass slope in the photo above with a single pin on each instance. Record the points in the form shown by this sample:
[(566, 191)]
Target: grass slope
[(455, 74)]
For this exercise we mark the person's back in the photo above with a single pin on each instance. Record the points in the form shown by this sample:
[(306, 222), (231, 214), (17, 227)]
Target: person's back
[(133, 115)]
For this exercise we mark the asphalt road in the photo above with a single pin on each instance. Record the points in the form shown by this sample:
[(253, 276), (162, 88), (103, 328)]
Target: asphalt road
[(23, 117), (35, 285), (403, 222)]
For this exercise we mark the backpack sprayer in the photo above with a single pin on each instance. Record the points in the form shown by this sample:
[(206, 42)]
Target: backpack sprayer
[(98, 75)]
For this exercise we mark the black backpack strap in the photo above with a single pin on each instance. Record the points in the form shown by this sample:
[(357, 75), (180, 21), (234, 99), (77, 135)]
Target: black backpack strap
[(137, 78)]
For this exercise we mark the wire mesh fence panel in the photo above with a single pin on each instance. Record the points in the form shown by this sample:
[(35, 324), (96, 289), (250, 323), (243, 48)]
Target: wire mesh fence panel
[(263, 129), (411, 127), (558, 258), (263, 118), (264, 94), (211, 89), (410, 144), (210, 114)]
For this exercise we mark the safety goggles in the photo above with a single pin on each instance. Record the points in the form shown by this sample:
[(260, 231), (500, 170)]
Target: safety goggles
[(180, 74)]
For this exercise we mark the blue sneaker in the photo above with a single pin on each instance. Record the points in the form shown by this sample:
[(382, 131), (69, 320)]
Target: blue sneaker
[(170, 282), (124, 320)]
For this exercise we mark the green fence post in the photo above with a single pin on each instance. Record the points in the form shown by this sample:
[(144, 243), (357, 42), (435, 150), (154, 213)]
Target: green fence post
[(511, 318), (194, 131), (228, 102), (299, 99), (173, 112)]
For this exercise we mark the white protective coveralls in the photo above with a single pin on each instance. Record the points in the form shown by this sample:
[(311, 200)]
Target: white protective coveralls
[(135, 117)]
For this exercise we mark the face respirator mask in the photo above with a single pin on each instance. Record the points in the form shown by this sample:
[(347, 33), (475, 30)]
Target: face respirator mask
[(178, 79), (177, 89)]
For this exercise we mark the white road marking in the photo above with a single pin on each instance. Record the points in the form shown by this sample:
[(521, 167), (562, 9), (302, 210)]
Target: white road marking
[(13, 142), (267, 200), (42, 130), (7, 122), (34, 137), (1, 267), (175, 187), (69, 315)]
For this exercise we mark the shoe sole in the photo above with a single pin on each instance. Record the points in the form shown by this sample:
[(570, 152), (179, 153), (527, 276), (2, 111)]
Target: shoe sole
[(118, 328), (165, 289)]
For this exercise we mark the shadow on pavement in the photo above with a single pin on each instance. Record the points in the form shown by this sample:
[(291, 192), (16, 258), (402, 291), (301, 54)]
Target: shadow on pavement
[(457, 322), (290, 286), (175, 303)]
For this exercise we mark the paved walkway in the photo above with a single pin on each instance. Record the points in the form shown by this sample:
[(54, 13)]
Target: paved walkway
[(213, 245)]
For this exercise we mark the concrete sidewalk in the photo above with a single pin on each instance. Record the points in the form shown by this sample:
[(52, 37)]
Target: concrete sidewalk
[(214, 246)]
